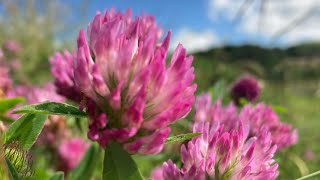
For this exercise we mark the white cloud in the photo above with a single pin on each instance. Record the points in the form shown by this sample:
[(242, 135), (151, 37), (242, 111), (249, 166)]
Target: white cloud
[(194, 41), (278, 14), (226, 8)]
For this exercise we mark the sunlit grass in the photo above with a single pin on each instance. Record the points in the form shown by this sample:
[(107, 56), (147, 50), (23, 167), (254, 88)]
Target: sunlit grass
[(303, 111)]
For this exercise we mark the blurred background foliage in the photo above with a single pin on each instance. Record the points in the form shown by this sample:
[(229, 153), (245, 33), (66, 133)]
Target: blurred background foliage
[(40, 28), (290, 76)]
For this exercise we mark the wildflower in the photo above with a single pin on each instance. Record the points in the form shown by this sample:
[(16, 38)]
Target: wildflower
[(308, 154), (255, 119), (131, 94), (15, 64), (55, 127), (62, 71), (54, 131), (70, 153), (206, 111), (12, 46), (1, 54), (262, 116), (156, 173), (246, 87), (220, 154), (35, 95), (5, 81), (203, 107)]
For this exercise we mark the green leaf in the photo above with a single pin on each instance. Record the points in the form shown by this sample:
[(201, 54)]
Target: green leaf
[(280, 109), (78, 124), (6, 119), (51, 108), (243, 101), (119, 165), (87, 165), (3, 138), (181, 137), (12, 171), (217, 91), (26, 129), (57, 176), (6, 104)]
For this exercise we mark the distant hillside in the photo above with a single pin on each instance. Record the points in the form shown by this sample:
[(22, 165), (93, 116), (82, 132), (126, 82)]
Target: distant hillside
[(297, 62)]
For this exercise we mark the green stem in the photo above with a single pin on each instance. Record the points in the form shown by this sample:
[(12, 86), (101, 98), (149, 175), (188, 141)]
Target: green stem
[(309, 175), (299, 163)]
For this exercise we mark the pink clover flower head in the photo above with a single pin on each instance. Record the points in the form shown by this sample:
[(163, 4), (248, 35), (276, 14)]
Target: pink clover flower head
[(156, 173), (255, 119), (207, 111), (309, 155), (70, 153), (5, 81), (54, 131), (12, 46), (16, 64), (246, 87), (35, 95), (131, 95), (203, 107), (55, 127), (262, 116), (219, 154), (62, 71), (1, 55)]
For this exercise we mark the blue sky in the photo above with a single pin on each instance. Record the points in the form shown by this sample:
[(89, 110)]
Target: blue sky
[(170, 14), (201, 24)]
